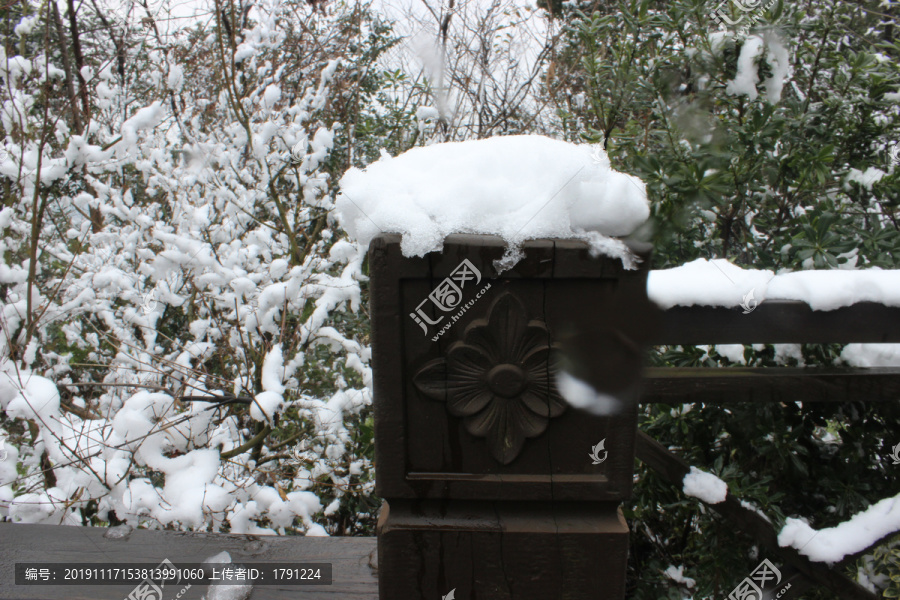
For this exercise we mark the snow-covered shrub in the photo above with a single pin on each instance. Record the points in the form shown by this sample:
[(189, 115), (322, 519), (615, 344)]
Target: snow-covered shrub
[(183, 327), (773, 148)]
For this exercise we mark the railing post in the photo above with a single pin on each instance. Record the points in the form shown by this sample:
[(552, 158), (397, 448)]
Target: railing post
[(495, 487)]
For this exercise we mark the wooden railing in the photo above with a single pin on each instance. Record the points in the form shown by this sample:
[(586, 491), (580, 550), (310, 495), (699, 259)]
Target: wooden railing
[(771, 322)]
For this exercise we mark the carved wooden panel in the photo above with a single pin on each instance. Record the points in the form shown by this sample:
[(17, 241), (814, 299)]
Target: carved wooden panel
[(465, 367), (500, 378)]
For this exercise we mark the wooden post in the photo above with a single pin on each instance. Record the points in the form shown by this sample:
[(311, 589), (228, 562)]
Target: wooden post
[(494, 486)]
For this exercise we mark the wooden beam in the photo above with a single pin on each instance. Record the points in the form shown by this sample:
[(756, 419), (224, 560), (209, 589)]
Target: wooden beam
[(353, 559), (673, 469), (779, 322), (678, 385)]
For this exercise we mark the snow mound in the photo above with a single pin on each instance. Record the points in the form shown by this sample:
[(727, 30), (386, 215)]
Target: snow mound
[(747, 77), (517, 187), (719, 283), (834, 543), (220, 591), (705, 282), (270, 402), (38, 399), (705, 486), (583, 396), (676, 574), (828, 290), (871, 355)]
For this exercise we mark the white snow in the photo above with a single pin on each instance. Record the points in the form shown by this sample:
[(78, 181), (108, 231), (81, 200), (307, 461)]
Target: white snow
[(676, 574), (834, 543), (714, 282), (517, 187), (865, 178), (211, 247), (38, 399), (270, 401), (705, 486), (746, 78), (243, 52), (780, 61), (718, 40), (223, 591), (871, 355), (831, 289), (145, 118), (583, 396), (785, 352), (273, 370), (425, 114), (266, 405), (271, 96), (719, 283), (175, 80), (228, 592), (733, 352), (26, 26)]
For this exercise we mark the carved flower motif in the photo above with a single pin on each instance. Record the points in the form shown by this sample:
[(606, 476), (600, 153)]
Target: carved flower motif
[(500, 378)]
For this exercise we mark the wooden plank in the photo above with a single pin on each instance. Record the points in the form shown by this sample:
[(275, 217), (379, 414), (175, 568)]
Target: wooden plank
[(779, 322), (353, 559), (673, 469), (778, 384)]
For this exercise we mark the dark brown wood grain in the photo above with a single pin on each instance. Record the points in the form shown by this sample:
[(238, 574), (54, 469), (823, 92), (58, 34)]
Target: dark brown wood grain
[(489, 485), (596, 314), (502, 550), (780, 322), (778, 384)]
